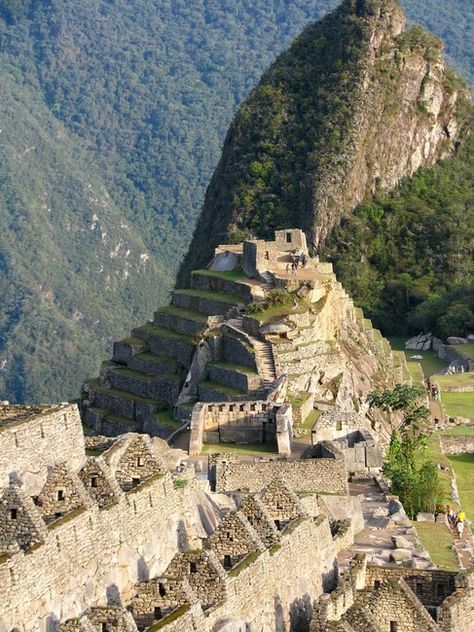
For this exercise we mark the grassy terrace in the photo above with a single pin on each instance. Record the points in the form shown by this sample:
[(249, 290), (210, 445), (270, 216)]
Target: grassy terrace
[(430, 362), (277, 311), (241, 368), (459, 380), (437, 541), (164, 332), (230, 391), (132, 340), (233, 275), (249, 449), (463, 466), (458, 404), (185, 313), (467, 351), (154, 357), (166, 418), (309, 422), (212, 296), (127, 395)]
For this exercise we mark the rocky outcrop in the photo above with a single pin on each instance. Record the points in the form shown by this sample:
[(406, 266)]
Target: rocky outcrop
[(357, 103)]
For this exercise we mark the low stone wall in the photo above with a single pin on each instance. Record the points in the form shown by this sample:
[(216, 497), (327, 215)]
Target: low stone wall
[(323, 475), (30, 445), (456, 444), (90, 557), (446, 352)]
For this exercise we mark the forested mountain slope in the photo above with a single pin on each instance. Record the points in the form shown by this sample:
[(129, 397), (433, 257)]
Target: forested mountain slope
[(112, 115), (356, 104)]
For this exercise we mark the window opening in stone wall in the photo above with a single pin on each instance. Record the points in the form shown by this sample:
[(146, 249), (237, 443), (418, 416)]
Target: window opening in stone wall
[(267, 255), (135, 481), (277, 524), (393, 626), (440, 590), (57, 515), (140, 462), (14, 513), (288, 238), (157, 615), (338, 424), (161, 589), (61, 494), (105, 627), (227, 562), (193, 567), (376, 584), (93, 481)]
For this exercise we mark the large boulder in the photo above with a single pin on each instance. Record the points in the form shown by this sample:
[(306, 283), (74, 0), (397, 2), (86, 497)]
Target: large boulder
[(396, 507), (425, 517), (401, 542), (401, 555), (456, 340)]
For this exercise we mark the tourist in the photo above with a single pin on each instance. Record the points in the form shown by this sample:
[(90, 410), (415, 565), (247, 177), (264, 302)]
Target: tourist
[(287, 269), (451, 515), (461, 516)]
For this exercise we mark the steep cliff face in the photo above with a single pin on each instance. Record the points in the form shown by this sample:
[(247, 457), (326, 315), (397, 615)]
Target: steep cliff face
[(357, 103)]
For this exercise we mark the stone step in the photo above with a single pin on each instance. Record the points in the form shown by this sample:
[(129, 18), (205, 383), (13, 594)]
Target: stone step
[(234, 375), (127, 348), (233, 283), (161, 387), (208, 303), (183, 321), (124, 403), (165, 341), (213, 392), (153, 364)]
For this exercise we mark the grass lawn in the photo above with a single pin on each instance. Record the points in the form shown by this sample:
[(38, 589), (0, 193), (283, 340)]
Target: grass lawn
[(458, 380), (430, 362), (458, 404), (252, 449), (465, 350), (233, 275), (437, 541), (277, 311), (166, 418), (463, 466), (433, 453), (459, 431), (309, 422)]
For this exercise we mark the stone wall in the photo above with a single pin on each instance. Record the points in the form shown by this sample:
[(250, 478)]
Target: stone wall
[(52, 434), (91, 558), (361, 452), (234, 422), (323, 475), (335, 425), (456, 444)]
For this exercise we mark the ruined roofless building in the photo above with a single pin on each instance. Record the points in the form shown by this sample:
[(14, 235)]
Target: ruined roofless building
[(263, 323)]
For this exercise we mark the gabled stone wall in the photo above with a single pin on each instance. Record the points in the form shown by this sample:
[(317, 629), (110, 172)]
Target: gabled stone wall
[(38, 439)]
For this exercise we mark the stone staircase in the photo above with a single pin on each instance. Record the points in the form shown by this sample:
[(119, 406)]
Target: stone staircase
[(265, 361)]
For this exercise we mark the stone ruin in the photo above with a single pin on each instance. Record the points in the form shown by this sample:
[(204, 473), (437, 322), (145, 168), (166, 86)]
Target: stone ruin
[(111, 543), (216, 361)]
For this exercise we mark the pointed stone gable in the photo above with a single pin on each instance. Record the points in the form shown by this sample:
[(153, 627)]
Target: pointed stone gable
[(282, 504), (77, 625), (159, 597), (111, 619), (257, 514), (205, 575), (100, 483), (133, 460), (21, 525), (234, 539), (62, 493)]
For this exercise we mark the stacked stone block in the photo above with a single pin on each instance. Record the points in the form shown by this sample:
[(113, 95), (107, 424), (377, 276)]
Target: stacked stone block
[(234, 539), (204, 573), (283, 505), (259, 517), (62, 494), (21, 525), (111, 619), (132, 460), (100, 483), (159, 597)]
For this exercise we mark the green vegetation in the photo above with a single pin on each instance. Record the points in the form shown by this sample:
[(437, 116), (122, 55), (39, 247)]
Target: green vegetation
[(166, 418), (458, 404), (251, 449), (308, 423), (430, 362), (436, 539), (458, 380), (180, 483), (406, 256), (230, 391), (113, 116), (250, 559), (467, 351), (169, 618), (213, 296), (467, 431), (463, 466), (406, 398)]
